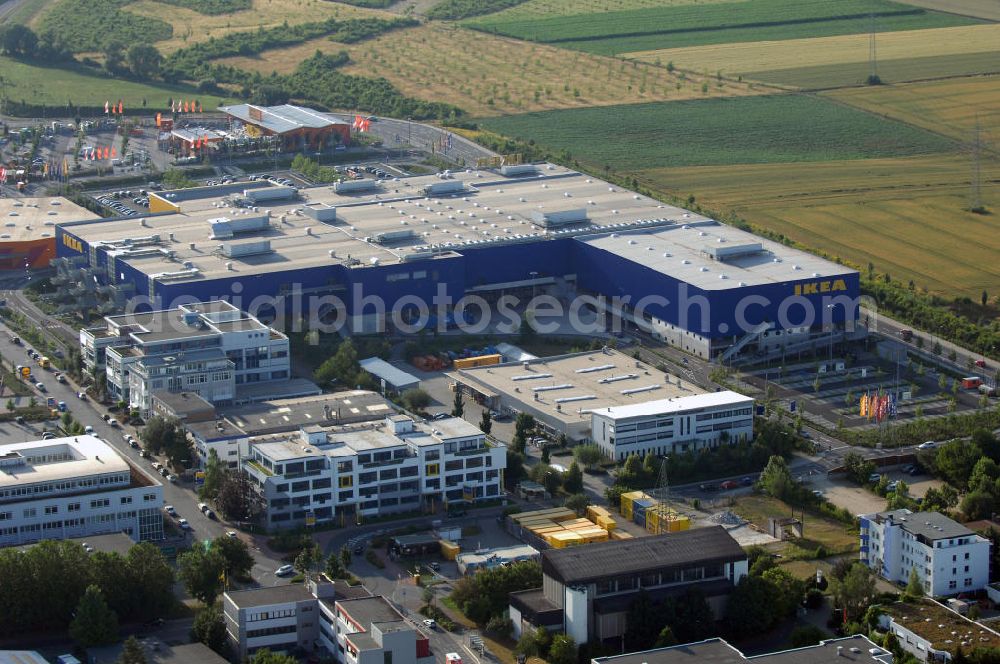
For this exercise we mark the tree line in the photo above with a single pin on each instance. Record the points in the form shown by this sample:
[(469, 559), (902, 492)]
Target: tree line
[(453, 10), (44, 585), (194, 62)]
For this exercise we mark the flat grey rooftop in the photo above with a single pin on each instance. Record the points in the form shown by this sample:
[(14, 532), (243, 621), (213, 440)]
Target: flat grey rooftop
[(716, 651), (570, 386), (368, 610), (269, 595), (930, 525), (686, 252)]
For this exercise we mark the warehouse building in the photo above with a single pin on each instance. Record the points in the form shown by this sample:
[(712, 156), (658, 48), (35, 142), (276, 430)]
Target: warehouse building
[(345, 473), (624, 405), (371, 255), (587, 590), (297, 127), (28, 236), (857, 648), (74, 487)]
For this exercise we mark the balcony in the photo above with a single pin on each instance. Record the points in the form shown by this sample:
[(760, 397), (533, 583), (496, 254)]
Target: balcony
[(264, 471)]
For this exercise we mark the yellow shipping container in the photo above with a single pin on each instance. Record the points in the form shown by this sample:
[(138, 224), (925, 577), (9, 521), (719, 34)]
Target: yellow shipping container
[(596, 511), (620, 535), (679, 523), (449, 550), (562, 540), (607, 522)]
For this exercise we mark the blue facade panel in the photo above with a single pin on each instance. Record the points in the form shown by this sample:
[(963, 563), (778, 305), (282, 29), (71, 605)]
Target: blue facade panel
[(717, 313), (515, 262)]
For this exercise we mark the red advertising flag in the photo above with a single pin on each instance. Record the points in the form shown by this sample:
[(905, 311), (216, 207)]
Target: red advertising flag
[(106, 104), (107, 152), (121, 108), (114, 152)]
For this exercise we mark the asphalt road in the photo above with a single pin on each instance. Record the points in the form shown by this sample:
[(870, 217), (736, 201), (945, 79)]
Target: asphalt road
[(891, 328), (87, 412), (404, 133)]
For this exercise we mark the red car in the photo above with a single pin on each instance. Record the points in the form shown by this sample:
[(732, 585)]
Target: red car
[(728, 484)]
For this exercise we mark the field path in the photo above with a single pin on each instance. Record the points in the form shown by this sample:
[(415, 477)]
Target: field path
[(986, 9), (749, 57)]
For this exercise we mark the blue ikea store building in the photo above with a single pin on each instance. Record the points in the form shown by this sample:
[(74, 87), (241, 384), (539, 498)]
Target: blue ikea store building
[(400, 246)]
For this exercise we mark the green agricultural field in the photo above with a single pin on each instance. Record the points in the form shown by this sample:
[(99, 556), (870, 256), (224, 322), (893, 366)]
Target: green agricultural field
[(88, 25), (608, 33), (822, 77), (545, 8), (749, 130), (52, 86), (906, 215)]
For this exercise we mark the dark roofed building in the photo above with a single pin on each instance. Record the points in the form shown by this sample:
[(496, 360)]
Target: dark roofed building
[(587, 590), (589, 563)]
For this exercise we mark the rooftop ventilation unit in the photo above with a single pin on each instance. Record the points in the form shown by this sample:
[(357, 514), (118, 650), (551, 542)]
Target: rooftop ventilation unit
[(320, 212), (224, 228), (355, 186), (599, 367), (518, 170), (444, 187), (558, 218), (245, 249), (637, 390), (395, 236), (266, 194), (531, 376), (549, 388), (733, 251)]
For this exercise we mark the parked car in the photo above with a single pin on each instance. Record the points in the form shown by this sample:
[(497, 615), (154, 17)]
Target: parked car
[(875, 477), (183, 523), (706, 487), (40, 387), (169, 509), (728, 484), (747, 481), (88, 430), (231, 534), (817, 493), (929, 445), (284, 570), (430, 623)]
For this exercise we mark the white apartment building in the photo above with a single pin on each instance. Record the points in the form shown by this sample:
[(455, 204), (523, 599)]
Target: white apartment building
[(74, 487), (339, 621), (320, 473), (949, 558), (210, 348), (669, 426)]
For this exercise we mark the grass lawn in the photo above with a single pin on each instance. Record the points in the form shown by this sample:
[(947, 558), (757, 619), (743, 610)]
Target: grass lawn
[(487, 74), (819, 530), (748, 130), (629, 30), (843, 59), (52, 86), (950, 107), (190, 26), (904, 215)]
